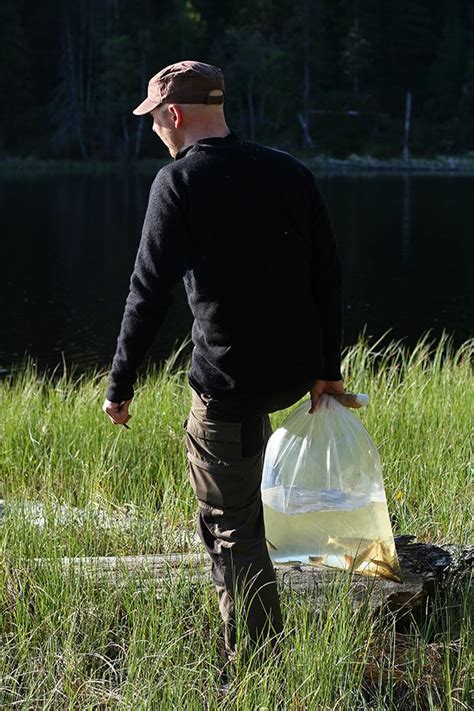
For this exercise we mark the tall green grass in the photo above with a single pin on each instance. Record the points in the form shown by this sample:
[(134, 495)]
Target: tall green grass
[(74, 642)]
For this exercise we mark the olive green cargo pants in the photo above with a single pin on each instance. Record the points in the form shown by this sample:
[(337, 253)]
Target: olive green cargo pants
[(225, 458)]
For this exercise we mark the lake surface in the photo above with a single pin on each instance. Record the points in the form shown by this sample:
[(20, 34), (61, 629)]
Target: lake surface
[(406, 244)]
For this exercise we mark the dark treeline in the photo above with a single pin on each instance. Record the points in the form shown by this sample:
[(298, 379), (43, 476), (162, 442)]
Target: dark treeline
[(314, 76)]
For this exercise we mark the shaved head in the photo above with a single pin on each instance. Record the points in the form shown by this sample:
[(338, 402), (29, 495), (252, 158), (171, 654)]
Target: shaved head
[(179, 125)]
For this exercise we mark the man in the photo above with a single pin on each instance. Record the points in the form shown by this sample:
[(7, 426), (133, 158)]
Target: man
[(248, 231)]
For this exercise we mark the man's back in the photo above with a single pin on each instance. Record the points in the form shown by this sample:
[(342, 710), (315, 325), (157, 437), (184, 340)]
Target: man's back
[(247, 229)]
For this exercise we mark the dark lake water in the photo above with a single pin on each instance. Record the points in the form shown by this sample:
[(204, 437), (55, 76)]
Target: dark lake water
[(68, 245)]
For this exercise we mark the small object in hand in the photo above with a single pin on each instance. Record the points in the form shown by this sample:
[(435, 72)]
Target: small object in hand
[(125, 425), (351, 399)]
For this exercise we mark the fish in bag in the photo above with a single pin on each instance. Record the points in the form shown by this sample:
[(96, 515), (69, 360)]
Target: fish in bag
[(323, 494)]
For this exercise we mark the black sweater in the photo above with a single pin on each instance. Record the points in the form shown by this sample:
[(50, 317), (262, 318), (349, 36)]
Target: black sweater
[(247, 229)]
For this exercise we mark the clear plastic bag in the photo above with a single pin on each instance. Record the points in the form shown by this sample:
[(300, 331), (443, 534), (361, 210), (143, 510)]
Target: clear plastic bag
[(323, 493)]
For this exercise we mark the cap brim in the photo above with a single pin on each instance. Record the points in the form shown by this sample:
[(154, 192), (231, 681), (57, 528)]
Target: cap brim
[(145, 107)]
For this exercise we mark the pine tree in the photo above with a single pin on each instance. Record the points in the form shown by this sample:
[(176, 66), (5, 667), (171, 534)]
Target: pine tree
[(446, 75), (15, 79)]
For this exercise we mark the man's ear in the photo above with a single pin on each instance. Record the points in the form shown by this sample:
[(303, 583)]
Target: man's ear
[(176, 115)]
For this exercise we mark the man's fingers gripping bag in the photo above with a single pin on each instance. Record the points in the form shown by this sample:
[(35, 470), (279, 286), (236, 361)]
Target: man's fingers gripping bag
[(323, 493)]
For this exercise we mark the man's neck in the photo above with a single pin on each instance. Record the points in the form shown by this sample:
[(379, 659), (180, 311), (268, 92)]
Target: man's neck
[(193, 136)]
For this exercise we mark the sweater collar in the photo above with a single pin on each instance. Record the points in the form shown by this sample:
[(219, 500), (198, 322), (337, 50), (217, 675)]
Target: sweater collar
[(231, 137)]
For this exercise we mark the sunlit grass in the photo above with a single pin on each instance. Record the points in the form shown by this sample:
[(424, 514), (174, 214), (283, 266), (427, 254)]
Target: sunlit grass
[(74, 484)]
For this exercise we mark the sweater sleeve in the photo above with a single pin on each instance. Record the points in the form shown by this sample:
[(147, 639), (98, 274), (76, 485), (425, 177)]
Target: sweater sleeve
[(326, 278), (160, 262)]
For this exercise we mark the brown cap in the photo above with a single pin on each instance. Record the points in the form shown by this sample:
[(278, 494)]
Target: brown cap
[(186, 82)]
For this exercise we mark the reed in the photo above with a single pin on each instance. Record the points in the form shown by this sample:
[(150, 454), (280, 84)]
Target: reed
[(74, 484)]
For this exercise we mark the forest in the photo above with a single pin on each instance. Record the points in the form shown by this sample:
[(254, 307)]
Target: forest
[(328, 77)]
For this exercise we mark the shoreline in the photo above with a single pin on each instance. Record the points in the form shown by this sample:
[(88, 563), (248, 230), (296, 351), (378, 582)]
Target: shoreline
[(353, 164)]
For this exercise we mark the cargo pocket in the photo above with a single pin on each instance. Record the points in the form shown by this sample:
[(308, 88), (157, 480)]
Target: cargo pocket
[(214, 442), (213, 450)]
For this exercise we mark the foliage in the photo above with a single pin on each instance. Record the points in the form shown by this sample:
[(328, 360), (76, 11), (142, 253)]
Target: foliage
[(299, 73)]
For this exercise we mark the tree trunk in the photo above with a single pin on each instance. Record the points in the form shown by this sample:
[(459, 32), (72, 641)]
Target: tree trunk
[(304, 115), (304, 125), (406, 151), (90, 83), (141, 121), (251, 109), (72, 79), (424, 567), (125, 152), (261, 110), (241, 115)]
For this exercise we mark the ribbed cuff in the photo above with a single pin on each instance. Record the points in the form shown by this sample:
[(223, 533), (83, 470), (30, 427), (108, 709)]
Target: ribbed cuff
[(119, 393)]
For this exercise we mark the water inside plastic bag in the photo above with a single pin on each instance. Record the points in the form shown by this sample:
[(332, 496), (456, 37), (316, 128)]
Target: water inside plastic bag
[(309, 519)]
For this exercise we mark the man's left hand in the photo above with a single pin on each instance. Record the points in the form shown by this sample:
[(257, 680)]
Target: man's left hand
[(324, 386), (117, 411)]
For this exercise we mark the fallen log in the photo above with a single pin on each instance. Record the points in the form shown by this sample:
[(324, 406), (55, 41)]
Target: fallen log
[(425, 568)]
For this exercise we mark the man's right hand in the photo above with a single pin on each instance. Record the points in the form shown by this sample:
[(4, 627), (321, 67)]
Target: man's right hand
[(117, 411), (324, 386)]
